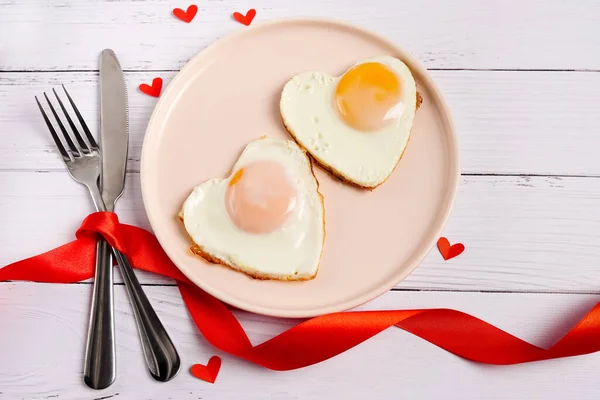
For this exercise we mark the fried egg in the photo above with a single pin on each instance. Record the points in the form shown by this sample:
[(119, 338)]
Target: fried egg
[(356, 125), (265, 219)]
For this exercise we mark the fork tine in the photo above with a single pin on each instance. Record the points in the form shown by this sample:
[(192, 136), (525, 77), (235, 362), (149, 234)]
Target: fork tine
[(66, 135), (57, 141), (88, 134), (82, 144)]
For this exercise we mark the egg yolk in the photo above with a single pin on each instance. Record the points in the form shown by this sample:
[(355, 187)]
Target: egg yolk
[(367, 96), (260, 197)]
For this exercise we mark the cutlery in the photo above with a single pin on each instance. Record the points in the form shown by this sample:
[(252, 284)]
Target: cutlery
[(84, 164), (160, 354)]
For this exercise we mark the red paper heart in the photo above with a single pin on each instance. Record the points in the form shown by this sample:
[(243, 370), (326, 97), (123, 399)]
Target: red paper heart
[(448, 251), (209, 371), (153, 90), (186, 16), (245, 19)]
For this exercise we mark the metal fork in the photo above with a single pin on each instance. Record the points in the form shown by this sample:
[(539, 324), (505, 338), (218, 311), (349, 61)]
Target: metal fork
[(84, 165), (83, 162)]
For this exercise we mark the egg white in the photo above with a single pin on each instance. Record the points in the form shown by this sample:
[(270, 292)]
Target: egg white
[(366, 159), (291, 252)]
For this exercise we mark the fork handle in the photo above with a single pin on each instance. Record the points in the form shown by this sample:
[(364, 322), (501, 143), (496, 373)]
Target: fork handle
[(161, 356), (99, 369)]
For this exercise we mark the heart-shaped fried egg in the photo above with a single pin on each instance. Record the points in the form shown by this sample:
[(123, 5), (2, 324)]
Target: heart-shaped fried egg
[(356, 125), (265, 219)]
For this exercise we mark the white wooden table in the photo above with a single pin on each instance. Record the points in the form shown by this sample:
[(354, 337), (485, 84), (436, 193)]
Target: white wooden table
[(523, 82)]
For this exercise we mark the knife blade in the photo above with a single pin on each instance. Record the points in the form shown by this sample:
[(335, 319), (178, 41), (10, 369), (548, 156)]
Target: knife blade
[(160, 354), (114, 128)]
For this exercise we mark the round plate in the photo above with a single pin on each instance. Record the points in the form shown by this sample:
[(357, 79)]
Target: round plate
[(227, 96)]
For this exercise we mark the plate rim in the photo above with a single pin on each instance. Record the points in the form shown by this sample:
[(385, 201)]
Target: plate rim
[(415, 260)]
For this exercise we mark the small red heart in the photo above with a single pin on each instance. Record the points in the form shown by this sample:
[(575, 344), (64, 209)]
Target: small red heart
[(153, 90), (448, 251), (186, 16), (209, 371), (245, 19)]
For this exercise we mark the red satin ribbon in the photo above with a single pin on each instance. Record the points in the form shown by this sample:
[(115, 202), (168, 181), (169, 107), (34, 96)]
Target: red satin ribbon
[(312, 341)]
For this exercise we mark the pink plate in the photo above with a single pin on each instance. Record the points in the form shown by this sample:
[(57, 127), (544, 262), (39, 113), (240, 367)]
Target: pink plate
[(227, 96)]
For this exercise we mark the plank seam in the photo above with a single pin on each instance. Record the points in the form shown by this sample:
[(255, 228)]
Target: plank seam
[(440, 290), (585, 70), (466, 174)]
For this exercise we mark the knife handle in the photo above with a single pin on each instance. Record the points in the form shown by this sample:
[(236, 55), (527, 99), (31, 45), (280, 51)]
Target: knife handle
[(161, 356), (100, 367)]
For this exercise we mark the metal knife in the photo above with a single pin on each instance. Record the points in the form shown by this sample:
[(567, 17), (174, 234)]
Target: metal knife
[(100, 365), (160, 354)]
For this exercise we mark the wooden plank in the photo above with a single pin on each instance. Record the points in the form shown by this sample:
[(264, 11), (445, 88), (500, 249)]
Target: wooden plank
[(508, 122), (460, 34), (44, 327), (521, 233)]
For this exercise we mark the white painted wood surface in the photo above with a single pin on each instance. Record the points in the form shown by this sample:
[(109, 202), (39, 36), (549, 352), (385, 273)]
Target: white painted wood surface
[(48, 325), (536, 34), (523, 82)]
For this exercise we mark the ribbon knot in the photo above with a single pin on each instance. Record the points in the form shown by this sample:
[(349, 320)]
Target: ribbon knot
[(106, 224), (310, 342)]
